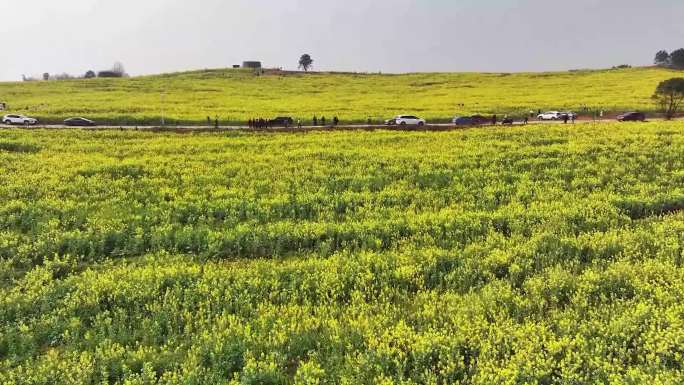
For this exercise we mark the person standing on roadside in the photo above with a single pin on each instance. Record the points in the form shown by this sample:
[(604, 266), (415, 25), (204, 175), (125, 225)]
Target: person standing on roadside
[(565, 118), (336, 121), (494, 120), (573, 117), (299, 123), (525, 120)]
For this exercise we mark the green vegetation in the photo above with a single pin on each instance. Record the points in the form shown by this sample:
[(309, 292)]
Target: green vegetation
[(536, 255), (669, 96), (236, 95)]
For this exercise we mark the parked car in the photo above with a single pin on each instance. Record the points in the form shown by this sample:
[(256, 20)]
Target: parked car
[(474, 120), (480, 120), (405, 120), (571, 115), (462, 121), (285, 121), (410, 120), (632, 117), (79, 122), (551, 115), (18, 119)]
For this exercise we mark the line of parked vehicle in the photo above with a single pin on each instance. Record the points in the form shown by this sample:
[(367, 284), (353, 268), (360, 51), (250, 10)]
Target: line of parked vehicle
[(399, 120), (557, 115), (480, 120), (27, 121), (626, 117)]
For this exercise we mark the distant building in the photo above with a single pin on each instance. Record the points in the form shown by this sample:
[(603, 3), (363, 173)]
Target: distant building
[(109, 74), (255, 65)]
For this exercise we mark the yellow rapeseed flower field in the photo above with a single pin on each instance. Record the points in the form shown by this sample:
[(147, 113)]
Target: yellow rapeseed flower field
[(546, 254)]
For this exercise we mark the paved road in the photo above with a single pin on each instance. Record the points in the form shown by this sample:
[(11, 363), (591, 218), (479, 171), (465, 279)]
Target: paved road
[(428, 127)]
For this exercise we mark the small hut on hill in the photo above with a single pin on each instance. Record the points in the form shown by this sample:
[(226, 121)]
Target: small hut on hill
[(255, 65)]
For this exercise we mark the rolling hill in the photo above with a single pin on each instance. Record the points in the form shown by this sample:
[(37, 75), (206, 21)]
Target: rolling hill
[(236, 95)]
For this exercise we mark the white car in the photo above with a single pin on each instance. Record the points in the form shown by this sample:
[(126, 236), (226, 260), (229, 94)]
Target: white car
[(18, 119), (408, 120), (551, 115)]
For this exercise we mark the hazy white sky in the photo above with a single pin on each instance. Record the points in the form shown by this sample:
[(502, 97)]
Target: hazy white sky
[(152, 36)]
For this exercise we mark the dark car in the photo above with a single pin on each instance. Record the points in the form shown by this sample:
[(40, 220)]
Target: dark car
[(462, 121), (79, 122), (284, 121), (632, 117), (569, 115), (475, 120), (480, 120)]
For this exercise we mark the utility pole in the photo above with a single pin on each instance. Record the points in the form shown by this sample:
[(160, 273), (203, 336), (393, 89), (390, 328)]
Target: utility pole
[(162, 108)]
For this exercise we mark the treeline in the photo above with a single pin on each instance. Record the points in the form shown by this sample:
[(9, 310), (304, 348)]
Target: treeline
[(116, 71), (674, 59)]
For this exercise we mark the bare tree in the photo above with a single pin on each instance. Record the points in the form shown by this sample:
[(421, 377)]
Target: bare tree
[(118, 68)]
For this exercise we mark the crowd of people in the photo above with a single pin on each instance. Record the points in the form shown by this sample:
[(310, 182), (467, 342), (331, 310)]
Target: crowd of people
[(260, 123), (287, 122), (322, 121)]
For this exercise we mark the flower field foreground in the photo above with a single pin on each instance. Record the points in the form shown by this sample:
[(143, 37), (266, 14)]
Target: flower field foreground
[(537, 255)]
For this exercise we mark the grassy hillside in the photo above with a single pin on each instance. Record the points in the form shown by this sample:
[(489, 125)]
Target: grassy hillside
[(535, 255), (237, 95)]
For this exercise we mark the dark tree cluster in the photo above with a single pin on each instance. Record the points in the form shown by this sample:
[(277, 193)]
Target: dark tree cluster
[(669, 96), (674, 59)]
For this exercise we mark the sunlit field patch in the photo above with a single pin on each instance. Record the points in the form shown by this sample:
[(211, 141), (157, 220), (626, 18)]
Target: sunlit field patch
[(233, 96)]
